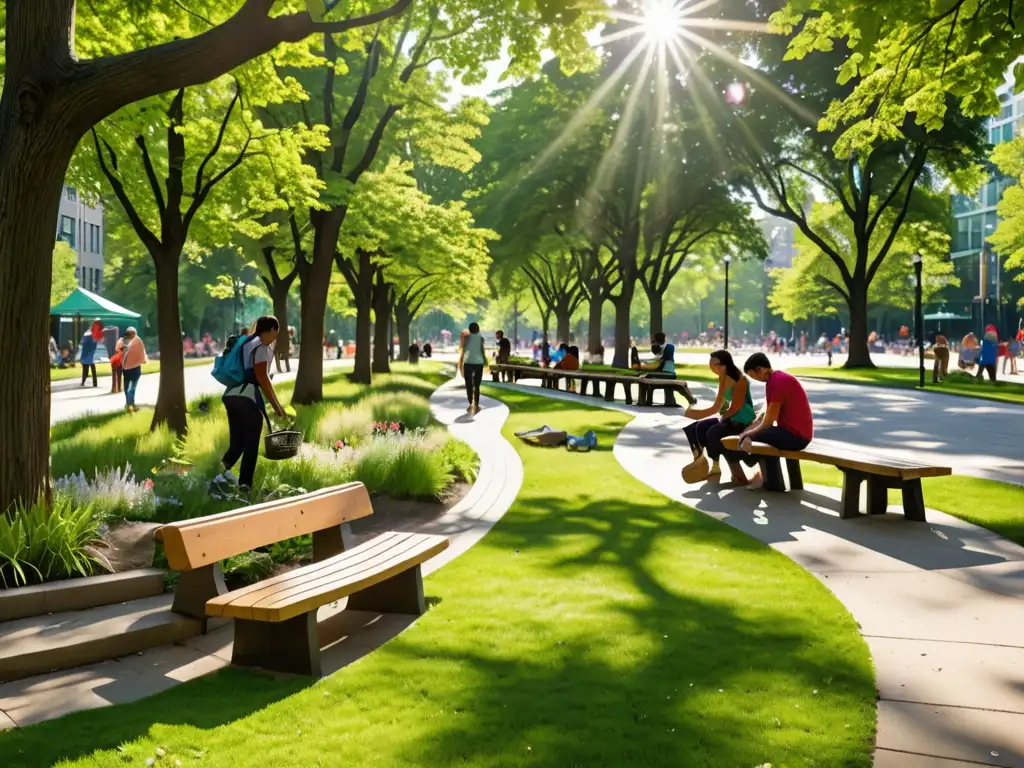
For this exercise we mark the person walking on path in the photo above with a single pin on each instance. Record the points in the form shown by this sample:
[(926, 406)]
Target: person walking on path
[(87, 351), (117, 367), (503, 355), (787, 423), (730, 414), (941, 353), (132, 360), (472, 360), (246, 403), (989, 353)]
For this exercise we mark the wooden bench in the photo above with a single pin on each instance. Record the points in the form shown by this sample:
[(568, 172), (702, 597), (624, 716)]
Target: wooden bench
[(550, 378), (275, 619), (858, 464)]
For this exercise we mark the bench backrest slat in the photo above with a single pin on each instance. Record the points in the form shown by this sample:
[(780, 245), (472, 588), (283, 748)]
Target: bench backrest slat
[(193, 544)]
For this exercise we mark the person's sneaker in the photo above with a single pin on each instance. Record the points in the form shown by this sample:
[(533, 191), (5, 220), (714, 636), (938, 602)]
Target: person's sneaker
[(230, 477)]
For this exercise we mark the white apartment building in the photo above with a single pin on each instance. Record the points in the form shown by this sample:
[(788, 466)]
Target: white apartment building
[(80, 225)]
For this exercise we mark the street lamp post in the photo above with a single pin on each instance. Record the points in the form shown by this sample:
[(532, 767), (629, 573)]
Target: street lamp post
[(728, 259), (919, 317)]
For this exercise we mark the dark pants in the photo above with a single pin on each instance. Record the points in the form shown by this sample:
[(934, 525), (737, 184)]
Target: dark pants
[(86, 367), (777, 437), (474, 374), (707, 435), (245, 422), (982, 368), (941, 367)]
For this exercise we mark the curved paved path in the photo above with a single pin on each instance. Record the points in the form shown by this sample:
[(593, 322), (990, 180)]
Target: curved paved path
[(353, 634), (941, 605)]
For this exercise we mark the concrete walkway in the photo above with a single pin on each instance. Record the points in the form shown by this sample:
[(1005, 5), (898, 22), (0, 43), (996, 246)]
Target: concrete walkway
[(349, 634), (941, 605)]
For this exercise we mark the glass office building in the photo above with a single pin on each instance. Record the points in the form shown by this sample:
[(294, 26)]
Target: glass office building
[(987, 292)]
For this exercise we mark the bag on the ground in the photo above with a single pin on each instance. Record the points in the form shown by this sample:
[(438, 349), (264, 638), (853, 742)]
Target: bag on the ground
[(545, 436), (229, 368)]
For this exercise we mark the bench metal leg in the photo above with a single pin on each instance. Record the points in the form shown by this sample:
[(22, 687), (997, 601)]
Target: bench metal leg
[(583, 387), (771, 473), (284, 646), (331, 541), (195, 588), (913, 500), (597, 387), (402, 593), (609, 391), (851, 494), (878, 495), (629, 393), (796, 477)]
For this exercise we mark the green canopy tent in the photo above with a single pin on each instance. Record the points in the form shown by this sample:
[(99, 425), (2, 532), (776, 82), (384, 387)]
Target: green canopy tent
[(88, 306), (81, 308)]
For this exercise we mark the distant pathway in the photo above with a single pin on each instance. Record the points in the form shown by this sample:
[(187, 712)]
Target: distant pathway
[(941, 605)]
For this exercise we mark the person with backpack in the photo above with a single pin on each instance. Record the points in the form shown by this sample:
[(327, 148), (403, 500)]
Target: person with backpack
[(472, 360), (245, 370)]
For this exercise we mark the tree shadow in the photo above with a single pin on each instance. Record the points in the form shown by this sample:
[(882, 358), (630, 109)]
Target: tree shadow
[(206, 703)]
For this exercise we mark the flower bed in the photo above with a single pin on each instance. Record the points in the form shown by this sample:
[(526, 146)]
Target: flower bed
[(112, 468)]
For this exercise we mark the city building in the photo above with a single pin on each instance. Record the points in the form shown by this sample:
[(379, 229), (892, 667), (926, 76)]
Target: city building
[(780, 235), (986, 294), (80, 225)]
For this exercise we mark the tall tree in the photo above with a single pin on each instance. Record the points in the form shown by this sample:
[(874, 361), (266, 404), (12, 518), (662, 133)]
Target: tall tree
[(51, 97)]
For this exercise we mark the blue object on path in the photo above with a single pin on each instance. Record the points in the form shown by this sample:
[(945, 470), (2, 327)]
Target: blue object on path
[(582, 444)]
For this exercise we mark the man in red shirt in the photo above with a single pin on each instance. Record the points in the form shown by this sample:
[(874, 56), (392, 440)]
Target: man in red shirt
[(787, 423)]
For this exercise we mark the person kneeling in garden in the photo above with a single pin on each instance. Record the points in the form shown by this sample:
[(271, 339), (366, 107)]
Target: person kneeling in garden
[(787, 423), (731, 414), (244, 402)]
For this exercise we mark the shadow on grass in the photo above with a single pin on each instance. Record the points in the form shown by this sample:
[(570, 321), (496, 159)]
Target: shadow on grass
[(204, 703)]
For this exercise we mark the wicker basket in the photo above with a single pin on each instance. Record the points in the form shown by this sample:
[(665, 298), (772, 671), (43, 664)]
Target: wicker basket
[(282, 445)]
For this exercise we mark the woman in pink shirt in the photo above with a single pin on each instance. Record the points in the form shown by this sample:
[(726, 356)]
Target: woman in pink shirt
[(787, 423), (132, 360)]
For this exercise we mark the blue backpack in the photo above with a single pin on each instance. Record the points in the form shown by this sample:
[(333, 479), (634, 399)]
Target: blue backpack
[(229, 368)]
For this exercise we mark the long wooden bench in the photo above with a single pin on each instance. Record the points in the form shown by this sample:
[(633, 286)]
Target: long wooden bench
[(858, 464), (275, 619), (550, 378)]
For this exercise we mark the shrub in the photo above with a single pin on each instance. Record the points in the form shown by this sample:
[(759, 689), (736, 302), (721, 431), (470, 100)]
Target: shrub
[(248, 567), (40, 544), (405, 408), (402, 467), (461, 460), (326, 423), (111, 493)]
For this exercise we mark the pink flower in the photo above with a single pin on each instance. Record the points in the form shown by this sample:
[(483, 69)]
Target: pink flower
[(148, 484)]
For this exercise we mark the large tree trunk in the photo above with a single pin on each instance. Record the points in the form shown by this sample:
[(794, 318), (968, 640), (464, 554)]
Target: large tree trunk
[(594, 339), (623, 307), (382, 311), (860, 355), (656, 301), (170, 402), (281, 313), (562, 322), (36, 143), (316, 282), (362, 373), (403, 322)]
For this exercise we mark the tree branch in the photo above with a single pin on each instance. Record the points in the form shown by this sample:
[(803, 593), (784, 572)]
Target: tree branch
[(217, 143), (150, 240), (154, 182)]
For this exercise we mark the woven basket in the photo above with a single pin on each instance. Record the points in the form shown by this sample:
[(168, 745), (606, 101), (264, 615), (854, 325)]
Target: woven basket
[(282, 445)]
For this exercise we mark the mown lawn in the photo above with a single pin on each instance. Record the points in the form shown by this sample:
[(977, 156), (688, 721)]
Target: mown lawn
[(1009, 390), (599, 624)]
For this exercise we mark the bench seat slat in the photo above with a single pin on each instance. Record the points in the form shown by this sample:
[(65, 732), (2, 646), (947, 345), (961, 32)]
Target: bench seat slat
[(305, 589), (851, 457)]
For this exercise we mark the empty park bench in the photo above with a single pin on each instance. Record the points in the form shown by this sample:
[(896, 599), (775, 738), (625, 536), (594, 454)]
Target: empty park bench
[(275, 619), (858, 464), (596, 380)]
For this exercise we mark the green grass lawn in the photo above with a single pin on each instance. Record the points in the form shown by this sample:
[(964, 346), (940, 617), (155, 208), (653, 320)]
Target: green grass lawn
[(103, 369), (988, 503), (599, 624), (1010, 391)]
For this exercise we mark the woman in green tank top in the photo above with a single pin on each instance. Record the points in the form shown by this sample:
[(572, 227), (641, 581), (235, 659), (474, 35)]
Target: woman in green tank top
[(730, 414)]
